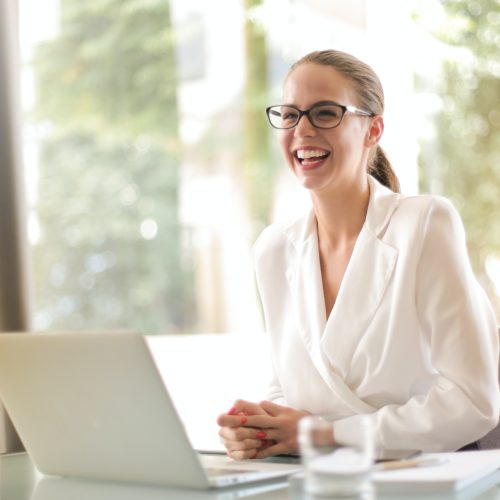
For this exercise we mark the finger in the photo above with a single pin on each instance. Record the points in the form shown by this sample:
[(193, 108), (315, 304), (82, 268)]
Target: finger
[(244, 438), (268, 435), (241, 433), (242, 454), (241, 409), (246, 407), (245, 444), (226, 420), (266, 443), (272, 408), (261, 421), (270, 451)]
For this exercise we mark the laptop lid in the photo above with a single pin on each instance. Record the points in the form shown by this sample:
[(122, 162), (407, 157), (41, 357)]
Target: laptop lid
[(93, 405)]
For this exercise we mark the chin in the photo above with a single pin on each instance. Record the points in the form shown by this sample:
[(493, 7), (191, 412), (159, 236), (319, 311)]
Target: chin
[(310, 184)]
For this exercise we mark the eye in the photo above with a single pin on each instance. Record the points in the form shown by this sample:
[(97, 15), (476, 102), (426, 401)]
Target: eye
[(327, 113), (289, 115)]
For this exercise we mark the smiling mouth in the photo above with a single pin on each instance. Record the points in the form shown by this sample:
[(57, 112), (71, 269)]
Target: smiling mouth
[(310, 157)]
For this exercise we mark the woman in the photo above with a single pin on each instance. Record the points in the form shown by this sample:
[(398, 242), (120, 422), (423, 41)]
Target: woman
[(369, 300)]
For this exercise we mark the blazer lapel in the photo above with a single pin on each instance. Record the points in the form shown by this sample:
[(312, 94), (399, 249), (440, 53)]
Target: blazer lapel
[(306, 288), (364, 283), (304, 277), (330, 344)]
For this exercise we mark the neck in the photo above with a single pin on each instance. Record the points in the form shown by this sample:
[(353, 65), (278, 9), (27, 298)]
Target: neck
[(341, 215)]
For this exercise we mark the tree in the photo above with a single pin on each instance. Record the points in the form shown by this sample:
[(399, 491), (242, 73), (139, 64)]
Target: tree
[(259, 170), (110, 252), (468, 126)]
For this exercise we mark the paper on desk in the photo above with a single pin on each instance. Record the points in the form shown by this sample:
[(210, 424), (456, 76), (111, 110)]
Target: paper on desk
[(456, 471)]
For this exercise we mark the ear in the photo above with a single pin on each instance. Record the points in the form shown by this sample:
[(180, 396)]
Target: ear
[(375, 131)]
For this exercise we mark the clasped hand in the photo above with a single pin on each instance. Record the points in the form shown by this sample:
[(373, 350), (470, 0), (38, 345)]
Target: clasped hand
[(251, 430)]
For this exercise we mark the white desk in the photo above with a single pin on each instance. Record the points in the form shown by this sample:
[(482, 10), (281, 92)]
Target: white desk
[(20, 481)]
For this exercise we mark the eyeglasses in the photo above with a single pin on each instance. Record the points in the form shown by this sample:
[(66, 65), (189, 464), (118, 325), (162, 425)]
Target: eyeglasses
[(322, 115)]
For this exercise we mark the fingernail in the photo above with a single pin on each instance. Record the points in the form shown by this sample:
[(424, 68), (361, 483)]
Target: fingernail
[(232, 411), (260, 435), (244, 420)]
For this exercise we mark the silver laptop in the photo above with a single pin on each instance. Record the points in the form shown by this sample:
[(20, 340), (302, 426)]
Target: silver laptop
[(93, 405), (58, 488)]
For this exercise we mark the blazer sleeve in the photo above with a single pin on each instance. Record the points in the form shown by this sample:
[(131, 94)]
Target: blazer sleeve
[(459, 331), (274, 391)]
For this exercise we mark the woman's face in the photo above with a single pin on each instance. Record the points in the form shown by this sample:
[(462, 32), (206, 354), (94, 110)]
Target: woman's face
[(325, 159)]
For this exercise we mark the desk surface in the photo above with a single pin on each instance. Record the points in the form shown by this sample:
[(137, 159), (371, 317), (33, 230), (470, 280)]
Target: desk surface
[(19, 480)]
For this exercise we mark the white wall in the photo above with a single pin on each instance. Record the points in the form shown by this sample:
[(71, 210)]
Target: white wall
[(206, 373)]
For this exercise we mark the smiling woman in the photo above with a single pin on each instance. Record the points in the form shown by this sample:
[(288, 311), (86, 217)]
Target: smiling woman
[(150, 168), (361, 279)]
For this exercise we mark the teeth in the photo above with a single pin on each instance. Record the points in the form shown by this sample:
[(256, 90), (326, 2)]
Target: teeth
[(310, 153)]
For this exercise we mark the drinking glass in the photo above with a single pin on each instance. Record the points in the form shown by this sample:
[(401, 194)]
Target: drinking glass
[(336, 466)]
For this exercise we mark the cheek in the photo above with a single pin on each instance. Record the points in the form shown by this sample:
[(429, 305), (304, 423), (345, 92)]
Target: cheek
[(347, 143)]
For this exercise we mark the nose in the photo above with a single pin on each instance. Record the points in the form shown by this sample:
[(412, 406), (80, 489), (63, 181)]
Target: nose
[(305, 128)]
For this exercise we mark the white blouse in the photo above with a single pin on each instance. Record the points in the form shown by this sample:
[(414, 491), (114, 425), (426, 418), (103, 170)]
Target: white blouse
[(412, 337)]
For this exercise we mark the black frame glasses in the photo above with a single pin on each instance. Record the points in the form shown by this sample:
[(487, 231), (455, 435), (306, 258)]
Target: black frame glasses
[(323, 115)]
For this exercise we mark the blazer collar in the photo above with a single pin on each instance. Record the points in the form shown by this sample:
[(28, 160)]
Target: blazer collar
[(381, 206)]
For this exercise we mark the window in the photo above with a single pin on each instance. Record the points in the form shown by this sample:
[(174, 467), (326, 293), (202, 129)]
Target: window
[(151, 167), (461, 143)]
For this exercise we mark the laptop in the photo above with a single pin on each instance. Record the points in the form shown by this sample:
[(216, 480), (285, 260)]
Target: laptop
[(57, 488), (93, 405)]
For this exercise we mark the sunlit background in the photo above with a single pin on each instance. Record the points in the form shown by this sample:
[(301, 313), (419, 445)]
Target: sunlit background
[(151, 169)]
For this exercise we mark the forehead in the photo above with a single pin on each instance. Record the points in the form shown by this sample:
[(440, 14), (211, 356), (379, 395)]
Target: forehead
[(309, 83)]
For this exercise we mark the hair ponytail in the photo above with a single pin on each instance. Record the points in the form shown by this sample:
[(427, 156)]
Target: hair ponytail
[(380, 168)]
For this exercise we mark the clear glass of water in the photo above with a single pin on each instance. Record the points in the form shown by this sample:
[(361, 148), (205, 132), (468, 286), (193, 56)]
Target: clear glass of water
[(334, 467)]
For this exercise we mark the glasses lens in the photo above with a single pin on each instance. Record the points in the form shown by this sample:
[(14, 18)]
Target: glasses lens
[(283, 116), (326, 115)]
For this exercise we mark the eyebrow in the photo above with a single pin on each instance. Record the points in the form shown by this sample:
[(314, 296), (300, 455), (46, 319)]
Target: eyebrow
[(319, 103)]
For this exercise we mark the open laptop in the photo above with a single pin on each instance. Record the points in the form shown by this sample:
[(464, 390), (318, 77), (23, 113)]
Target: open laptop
[(58, 488), (93, 405)]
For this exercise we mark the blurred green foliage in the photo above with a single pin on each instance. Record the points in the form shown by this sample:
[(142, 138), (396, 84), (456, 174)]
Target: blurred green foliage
[(111, 252), (466, 158), (111, 64), (259, 168)]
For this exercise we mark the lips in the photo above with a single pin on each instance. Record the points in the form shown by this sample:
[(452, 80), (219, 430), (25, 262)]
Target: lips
[(310, 157)]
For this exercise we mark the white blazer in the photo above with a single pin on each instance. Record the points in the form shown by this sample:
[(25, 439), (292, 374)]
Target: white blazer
[(412, 337)]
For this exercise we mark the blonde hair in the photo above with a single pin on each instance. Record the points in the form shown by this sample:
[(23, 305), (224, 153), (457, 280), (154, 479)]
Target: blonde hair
[(371, 98)]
